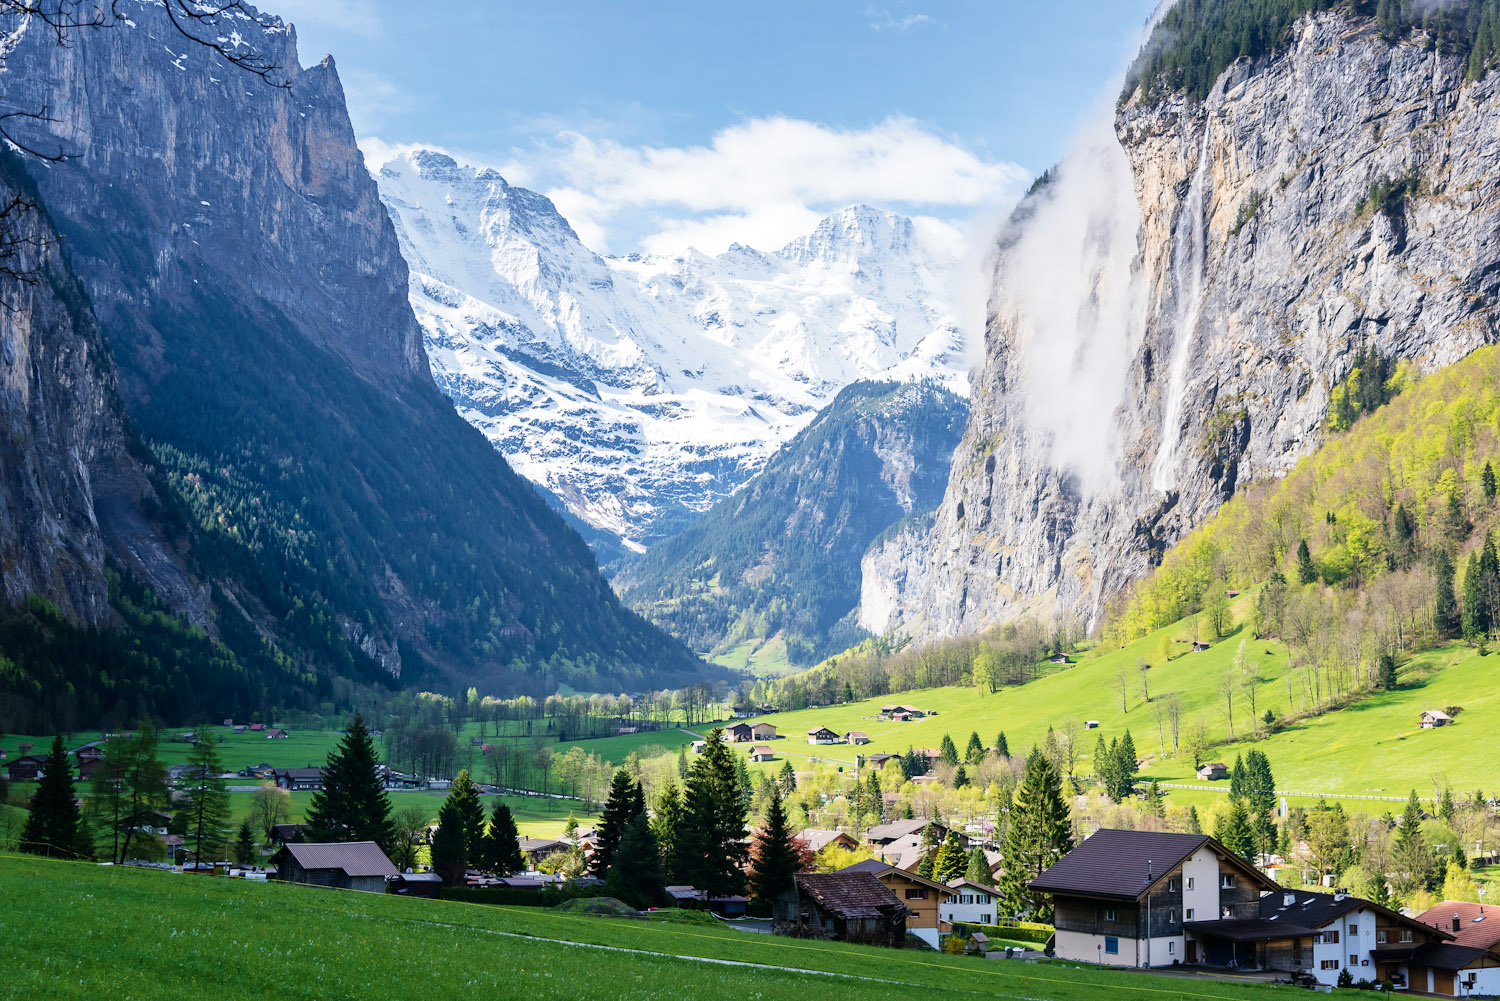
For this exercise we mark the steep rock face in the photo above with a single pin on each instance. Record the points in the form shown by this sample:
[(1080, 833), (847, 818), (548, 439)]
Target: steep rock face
[(779, 559), (252, 291), (1257, 269), (641, 390)]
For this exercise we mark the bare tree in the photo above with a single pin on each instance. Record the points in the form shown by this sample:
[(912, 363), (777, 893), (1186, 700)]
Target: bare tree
[(1072, 734), (1174, 718), (1121, 683), (1143, 667), (1249, 679), (1227, 684)]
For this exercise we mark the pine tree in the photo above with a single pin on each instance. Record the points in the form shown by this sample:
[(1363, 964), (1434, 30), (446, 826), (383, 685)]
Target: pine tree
[(352, 805), (928, 850), (974, 753), (1194, 825), (1307, 571), (1233, 831), (848, 692), (948, 751), (500, 851), (1445, 807), (1040, 833), (1156, 800), (464, 794), (208, 818), (787, 779), (1475, 620), (1487, 481), (960, 777), (53, 826), (635, 876), (665, 820), (951, 860), (447, 849), (1446, 615), (1127, 766), (978, 869), (682, 763), (708, 853), (1415, 867), (244, 845), (774, 858), (619, 811), (1002, 747), (1237, 779)]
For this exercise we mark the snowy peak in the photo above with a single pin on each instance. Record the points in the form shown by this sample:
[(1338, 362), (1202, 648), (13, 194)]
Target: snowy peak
[(642, 389)]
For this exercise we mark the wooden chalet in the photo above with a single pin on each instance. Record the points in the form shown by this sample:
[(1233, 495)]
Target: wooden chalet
[(843, 906)]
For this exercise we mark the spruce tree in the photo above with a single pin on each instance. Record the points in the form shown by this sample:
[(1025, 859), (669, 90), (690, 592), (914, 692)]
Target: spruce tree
[(1194, 825), (951, 860), (960, 777), (244, 845), (464, 794), (352, 805), (447, 850), (53, 826), (1475, 618), (1002, 746), (1307, 570), (682, 763), (619, 811), (1233, 831), (708, 850), (978, 869), (207, 830), (974, 753), (635, 876), (928, 851), (500, 850), (1445, 807), (1415, 867), (665, 820), (787, 779), (1040, 833), (1156, 800), (1446, 615), (1487, 481), (774, 859), (1385, 671), (948, 751), (1127, 767)]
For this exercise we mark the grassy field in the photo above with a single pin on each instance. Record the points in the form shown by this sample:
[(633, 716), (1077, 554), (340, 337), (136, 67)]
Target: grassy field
[(536, 816), (90, 931), (1372, 748)]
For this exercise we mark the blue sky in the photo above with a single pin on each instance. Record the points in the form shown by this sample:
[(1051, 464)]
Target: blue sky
[(659, 124)]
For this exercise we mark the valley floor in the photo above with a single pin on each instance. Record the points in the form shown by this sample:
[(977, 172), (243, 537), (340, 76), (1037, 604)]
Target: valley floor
[(92, 931)]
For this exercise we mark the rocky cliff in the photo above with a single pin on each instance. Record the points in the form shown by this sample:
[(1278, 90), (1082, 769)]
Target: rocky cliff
[(1171, 312)]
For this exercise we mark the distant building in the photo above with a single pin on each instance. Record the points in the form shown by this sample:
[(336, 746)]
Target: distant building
[(355, 865), (277, 735), (1199, 646), (1434, 718), (740, 733), (822, 735), (972, 903), (762, 752), (762, 731), (1213, 770), (843, 906), (298, 778), (856, 737), (818, 838)]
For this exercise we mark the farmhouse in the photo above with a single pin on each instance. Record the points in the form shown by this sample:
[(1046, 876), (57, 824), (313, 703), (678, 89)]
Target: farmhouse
[(845, 906), (698, 746), (1472, 928), (1434, 718), (298, 778), (901, 713), (879, 760), (856, 737), (822, 735), (972, 903), (1121, 898), (740, 733), (1199, 646), (1213, 770), (818, 838), (356, 865), (924, 898), (762, 752), (277, 735), (1058, 658), (762, 731), (27, 768)]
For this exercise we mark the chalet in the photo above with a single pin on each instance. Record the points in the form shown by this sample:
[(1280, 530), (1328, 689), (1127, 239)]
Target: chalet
[(822, 735), (257, 727), (856, 737), (298, 778), (277, 735), (878, 761), (240, 728), (1122, 898), (762, 731), (1058, 658), (229, 722), (94, 751), (1327, 933), (538, 849), (884, 834), (1434, 718), (354, 865), (742, 711), (762, 752), (818, 838), (87, 767), (26, 768), (924, 899), (904, 853), (843, 906), (1472, 928), (1199, 646), (1213, 770), (740, 733), (1091, 724), (972, 903), (904, 712)]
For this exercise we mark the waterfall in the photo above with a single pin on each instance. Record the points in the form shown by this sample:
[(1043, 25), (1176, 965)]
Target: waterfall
[(1188, 250)]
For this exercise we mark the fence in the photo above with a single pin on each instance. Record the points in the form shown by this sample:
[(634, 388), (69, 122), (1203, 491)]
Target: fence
[(1224, 787)]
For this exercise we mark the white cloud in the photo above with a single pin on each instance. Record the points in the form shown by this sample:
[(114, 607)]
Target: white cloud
[(883, 20), (359, 17), (371, 99), (764, 182)]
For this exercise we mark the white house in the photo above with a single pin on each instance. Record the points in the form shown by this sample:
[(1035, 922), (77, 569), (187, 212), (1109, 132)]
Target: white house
[(823, 735), (971, 903)]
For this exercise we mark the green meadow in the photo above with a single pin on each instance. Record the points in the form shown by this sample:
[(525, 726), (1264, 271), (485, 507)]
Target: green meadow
[(138, 935)]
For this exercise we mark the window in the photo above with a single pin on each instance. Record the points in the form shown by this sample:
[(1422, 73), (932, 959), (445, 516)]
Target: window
[(1353, 930), (1172, 950), (1353, 959), (1331, 937), (1187, 915), (1226, 912), (1110, 914), (1406, 934), (920, 893), (1188, 883), (1380, 938), (1171, 917), (1111, 945), (1329, 964), (1226, 881), (1171, 886)]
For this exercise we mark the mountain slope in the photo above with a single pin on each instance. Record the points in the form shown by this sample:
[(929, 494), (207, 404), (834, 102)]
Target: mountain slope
[(640, 390), (252, 292), (780, 558), (1332, 196)]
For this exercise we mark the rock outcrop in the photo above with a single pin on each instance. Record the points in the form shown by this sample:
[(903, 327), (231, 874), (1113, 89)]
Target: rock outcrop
[(1258, 265)]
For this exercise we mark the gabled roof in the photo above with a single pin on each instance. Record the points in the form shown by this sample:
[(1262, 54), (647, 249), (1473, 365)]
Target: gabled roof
[(1447, 956), (870, 865), (355, 858), (963, 881), (877, 869), (818, 838), (1115, 864), (1476, 926), (851, 894), (899, 829)]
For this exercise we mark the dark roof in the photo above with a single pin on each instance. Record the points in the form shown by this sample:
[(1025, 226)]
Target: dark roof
[(1113, 863), (1476, 926), (1315, 910), (355, 858), (877, 868), (1248, 929), (899, 829), (301, 773), (850, 894), (1447, 956), (870, 865)]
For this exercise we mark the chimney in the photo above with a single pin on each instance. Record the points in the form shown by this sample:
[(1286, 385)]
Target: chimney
[(1456, 922), (1288, 899), (1340, 894)]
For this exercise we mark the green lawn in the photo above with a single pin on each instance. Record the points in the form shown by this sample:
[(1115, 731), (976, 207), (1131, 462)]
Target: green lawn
[(90, 931), (536, 816)]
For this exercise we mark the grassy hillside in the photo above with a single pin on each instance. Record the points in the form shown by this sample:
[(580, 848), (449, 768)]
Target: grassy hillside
[(95, 931)]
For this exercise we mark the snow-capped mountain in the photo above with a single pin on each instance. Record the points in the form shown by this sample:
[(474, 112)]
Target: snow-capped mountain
[(642, 389)]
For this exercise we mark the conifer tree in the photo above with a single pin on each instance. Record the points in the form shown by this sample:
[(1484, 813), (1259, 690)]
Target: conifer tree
[(709, 854), (1195, 826), (682, 763), (500, 850), (1233, 831), (1002, 746), (1446, 615), (787, 779), (1385, 671), (951, 860), (665, 820), (1307, 570), (142, 780), (352, 805), (948, 751), (978, 869), (619, 811), (209, 811), (1475, 621), (774, 857), (928, 850), (1156, 800), (464, 794), (244, 845), (1128, 766), (447, 850), (1415, 867), (635, 876), (974, 753), (53, 826), (960, 777), (1487, 481), (1040, 833), (1445, 806)]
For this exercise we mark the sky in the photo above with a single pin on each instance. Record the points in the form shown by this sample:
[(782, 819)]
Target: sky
[(660, 125)]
